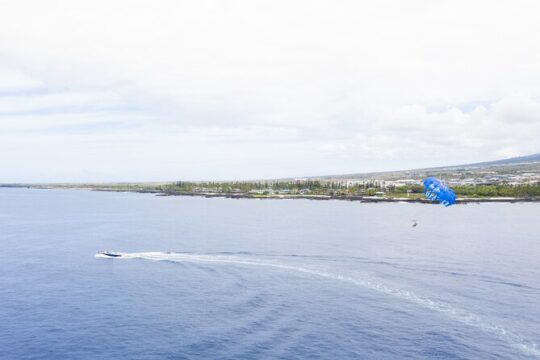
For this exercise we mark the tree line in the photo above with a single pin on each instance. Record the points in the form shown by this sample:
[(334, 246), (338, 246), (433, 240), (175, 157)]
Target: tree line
[(342, 188)]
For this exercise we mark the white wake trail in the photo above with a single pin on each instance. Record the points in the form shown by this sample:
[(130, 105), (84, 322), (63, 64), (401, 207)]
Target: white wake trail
[(460, 315)]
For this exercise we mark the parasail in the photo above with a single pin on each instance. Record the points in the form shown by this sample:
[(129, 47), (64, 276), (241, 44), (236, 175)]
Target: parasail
[(436, 190)]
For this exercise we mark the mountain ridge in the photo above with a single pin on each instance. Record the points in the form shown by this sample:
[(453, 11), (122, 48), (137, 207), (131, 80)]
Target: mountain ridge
[(502, 164)]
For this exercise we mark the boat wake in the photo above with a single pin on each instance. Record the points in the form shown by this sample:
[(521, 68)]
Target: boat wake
[(446, 309)]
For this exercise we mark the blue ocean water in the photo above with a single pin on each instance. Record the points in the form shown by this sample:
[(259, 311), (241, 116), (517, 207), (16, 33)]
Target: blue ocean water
[(265, 279)]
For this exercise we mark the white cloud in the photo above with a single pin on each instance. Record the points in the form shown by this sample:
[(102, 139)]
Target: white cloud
[(509, 127), (66, 101), (516, 109), (13, 80), (266, 88)]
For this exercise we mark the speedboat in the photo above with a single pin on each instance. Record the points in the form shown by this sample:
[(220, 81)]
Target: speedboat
[(109, 254)]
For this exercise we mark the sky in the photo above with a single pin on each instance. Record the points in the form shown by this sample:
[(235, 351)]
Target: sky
[(97, 91)]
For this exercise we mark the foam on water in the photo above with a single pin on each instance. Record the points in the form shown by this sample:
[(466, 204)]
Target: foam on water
[(446, 309)]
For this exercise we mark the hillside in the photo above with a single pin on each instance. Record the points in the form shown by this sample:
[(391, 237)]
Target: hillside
[(504, 167)]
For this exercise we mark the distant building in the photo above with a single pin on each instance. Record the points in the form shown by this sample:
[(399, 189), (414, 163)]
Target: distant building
[(256, 191)]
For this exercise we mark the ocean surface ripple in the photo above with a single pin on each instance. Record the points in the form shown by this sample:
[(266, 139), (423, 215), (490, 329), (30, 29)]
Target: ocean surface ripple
[(243, 259), (242, 279)]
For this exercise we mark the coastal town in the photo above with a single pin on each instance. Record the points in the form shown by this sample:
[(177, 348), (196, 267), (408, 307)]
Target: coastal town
[(483, 182), (484, 185), (510, 181)]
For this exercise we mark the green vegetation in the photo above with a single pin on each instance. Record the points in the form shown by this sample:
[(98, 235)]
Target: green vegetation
[(345, 189), (331, 188), (499, 190), (479, 191), (261, 188)]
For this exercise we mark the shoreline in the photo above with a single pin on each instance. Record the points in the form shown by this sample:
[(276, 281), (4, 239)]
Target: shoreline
[(359, 198)]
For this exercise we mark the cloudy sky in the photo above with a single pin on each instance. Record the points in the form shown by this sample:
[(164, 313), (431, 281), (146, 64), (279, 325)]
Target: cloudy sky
[(166, 90)]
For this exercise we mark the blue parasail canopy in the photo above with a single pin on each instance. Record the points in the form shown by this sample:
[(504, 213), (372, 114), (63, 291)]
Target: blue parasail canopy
[(436, 190)]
